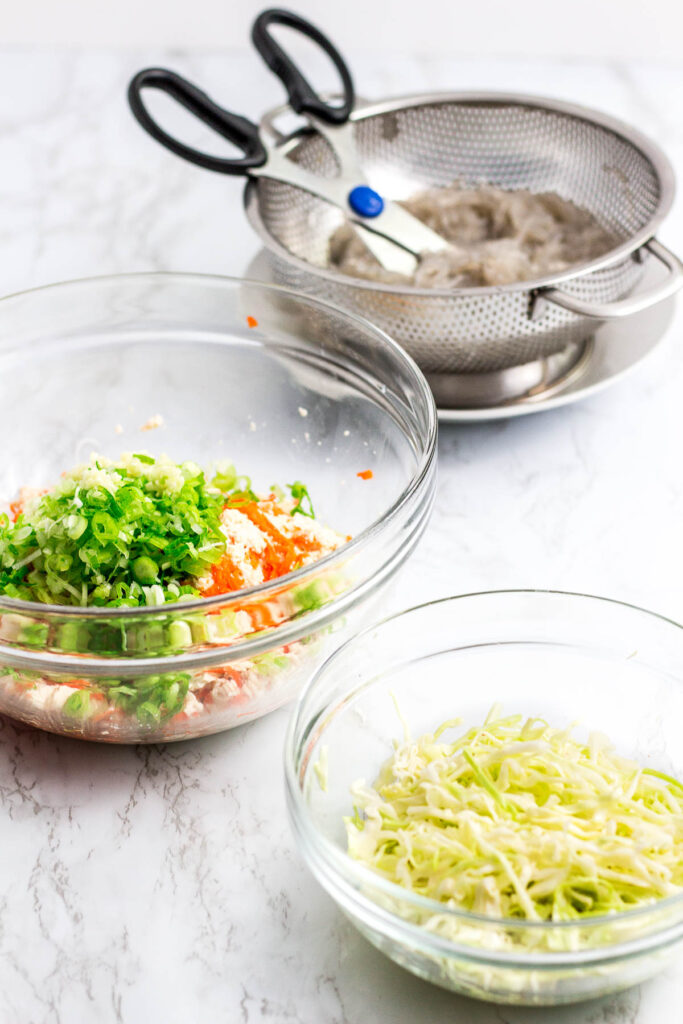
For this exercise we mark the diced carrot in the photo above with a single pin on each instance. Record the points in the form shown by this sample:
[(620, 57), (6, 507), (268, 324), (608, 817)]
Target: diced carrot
[(280, 554), (226, 577), (365, 474), (252, 321), (235, 675), (262, 615)]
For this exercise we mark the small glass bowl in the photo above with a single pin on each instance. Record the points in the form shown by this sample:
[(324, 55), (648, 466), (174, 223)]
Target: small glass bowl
[(611, 667), (285, 386)]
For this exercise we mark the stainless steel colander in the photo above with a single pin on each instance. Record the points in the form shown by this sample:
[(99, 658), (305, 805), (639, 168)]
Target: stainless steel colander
[(512, 142)]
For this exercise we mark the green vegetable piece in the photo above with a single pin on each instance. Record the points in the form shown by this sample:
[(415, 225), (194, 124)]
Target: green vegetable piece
[(76, 526), (70, 636), (34, 634), (225, 477), (145, 570), (179, 634), (488, 785), (104, 527), (149, 713), (101, 593), (77, 705), (304, 505), (311, 596), (271, 664)]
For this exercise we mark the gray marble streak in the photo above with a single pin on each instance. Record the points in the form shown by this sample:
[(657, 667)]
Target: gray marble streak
[(162, 883)]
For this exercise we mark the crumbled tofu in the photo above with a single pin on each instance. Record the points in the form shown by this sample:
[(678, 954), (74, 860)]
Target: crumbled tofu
[(302, 411), (29, 498), (49, 696), (153, 422), (246, 541), (192, 706), (240, 531), (298, 526)]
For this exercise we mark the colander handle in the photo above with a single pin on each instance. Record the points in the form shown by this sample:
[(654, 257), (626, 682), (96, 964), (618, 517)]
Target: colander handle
[(623, 307), (302, 96), (238, 130)]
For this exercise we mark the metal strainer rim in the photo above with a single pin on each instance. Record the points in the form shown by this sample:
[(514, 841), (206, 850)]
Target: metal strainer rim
[(634, 136)]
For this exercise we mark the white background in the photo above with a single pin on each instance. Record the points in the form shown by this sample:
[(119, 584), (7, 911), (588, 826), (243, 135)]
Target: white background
[(607, 28)]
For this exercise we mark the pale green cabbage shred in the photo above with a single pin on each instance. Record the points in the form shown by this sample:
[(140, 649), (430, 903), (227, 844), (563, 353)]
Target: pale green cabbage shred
[(516, 819)]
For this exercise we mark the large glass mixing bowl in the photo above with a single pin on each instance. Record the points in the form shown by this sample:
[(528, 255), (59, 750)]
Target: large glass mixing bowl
[(288, 388)]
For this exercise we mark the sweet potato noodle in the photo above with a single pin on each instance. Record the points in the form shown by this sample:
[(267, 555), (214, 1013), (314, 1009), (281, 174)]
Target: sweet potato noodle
[(498, 238)]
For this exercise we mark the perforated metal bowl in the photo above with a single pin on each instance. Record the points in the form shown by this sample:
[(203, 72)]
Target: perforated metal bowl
[(509, 141)]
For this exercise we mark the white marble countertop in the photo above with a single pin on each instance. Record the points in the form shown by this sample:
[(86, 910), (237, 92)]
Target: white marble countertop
[(162, 883)]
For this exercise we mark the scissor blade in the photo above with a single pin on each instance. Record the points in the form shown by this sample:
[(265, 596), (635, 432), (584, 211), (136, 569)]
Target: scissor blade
[(392, 257), (403, 228)]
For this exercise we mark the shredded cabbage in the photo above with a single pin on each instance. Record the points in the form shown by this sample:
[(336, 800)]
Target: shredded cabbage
[(517, 819)]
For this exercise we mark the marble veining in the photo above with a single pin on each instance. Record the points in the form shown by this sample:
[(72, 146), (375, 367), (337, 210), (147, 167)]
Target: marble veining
[(162, 883)]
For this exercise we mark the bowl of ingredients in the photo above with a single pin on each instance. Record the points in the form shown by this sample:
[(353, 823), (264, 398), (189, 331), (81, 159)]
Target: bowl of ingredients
[(208, 479), (551, 210), (491, 788)]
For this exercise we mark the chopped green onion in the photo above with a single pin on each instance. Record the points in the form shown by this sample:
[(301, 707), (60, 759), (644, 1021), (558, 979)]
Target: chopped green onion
[(137, 532), (77, 705), (179, 634), (145, 569), (116, 534), (300, 494)]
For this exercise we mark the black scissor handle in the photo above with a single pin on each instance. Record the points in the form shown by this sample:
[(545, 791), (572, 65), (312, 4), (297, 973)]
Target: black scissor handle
[(238, 130), (302, 97)]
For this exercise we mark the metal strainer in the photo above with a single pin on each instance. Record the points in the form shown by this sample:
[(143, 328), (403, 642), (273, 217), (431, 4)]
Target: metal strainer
[(509, 141)]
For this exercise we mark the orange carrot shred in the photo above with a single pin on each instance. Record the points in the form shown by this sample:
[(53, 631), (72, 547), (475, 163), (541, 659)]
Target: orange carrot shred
[(226, 577), (252, 321), (366, 474)]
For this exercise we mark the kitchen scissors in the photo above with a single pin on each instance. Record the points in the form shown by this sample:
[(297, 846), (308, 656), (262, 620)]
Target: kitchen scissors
[(394, 236)]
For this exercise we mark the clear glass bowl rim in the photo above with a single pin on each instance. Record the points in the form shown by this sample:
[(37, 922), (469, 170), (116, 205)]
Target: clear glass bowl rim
[(352, 875), (263, 589)]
